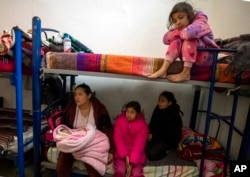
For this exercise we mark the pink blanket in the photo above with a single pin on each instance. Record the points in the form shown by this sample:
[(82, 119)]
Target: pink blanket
[(88, 145), (212, 168)]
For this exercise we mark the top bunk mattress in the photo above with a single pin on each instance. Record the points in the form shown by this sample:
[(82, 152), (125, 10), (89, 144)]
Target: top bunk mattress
[(129, 65)]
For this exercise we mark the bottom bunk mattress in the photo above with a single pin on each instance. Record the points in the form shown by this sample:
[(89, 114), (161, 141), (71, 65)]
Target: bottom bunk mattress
[(8, 129), (131, 65), (170, 166)]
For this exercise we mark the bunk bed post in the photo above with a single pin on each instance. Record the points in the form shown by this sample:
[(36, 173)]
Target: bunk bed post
[(19, 100), (195, 107), (72, 82), (231, 127), (36, 91), (64, 78), (245, 144)]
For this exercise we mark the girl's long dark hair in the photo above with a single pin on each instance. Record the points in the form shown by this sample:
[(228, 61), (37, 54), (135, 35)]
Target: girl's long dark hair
[(181, 7), (170, 97)]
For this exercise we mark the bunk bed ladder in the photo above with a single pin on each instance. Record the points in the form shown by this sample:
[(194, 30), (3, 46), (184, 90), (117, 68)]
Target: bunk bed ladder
[(210, 115)]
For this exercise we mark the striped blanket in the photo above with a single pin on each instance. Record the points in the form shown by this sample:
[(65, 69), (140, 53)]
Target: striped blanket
[(128, 65), (118, 64), (151, 169)]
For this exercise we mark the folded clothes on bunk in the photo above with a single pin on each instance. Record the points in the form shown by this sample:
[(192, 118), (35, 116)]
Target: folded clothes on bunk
[(240, 63)]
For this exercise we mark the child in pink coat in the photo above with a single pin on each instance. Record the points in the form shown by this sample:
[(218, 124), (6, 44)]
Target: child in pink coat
[(188, 29), (130, 137)]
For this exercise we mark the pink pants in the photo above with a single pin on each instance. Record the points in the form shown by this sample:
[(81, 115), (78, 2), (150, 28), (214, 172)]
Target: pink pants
[(120, 169), (187, 51)]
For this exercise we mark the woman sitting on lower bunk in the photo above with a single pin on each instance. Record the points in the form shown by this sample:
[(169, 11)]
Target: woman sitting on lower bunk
[(81, 112)]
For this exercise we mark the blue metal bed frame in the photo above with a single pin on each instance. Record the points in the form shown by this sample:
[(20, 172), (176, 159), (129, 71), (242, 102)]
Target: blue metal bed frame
[(209, 115)]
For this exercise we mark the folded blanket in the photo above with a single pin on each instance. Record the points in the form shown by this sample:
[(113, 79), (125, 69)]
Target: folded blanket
[(118, 64), (88, 145), (190, 146), (129, 65)]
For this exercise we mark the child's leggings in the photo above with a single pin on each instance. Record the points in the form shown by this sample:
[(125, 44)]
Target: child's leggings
[(187, 51), (120, 169)]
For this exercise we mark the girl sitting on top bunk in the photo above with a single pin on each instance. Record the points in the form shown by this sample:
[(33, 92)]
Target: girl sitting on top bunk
[(189, 29)]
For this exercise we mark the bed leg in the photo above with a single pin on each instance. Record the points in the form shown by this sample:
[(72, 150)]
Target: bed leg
[(195, 107)]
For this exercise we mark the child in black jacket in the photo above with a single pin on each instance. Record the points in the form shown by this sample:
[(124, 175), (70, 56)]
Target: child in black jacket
[(165, 127)]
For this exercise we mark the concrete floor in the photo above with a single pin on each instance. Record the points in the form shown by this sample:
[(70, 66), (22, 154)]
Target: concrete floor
[(9, 169)]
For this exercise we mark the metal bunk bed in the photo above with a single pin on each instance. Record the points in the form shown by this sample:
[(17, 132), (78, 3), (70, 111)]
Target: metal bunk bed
[(19, 157), (17, 79), (210, 116), (199, 84)]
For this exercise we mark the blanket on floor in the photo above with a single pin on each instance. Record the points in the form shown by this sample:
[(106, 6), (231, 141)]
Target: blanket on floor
[(88, 145)]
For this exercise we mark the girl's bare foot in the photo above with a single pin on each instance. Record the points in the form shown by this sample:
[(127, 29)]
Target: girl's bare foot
[(178, 77), (183, 76), (156, 75), (162, 72)]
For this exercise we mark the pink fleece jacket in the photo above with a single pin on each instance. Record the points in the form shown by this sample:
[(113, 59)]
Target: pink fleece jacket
[(130, 138)]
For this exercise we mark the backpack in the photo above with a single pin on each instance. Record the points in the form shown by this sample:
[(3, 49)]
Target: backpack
[(52, 89), (55, 115)]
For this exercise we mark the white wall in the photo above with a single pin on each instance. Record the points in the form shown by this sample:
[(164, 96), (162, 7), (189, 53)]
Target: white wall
[(126, 27)]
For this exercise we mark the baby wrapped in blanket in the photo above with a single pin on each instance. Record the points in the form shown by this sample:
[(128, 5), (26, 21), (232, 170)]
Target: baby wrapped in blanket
[(88, 145)]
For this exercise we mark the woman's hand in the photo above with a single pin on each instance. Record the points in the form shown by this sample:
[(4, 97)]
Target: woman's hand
[(149, 137), (110, 158)]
